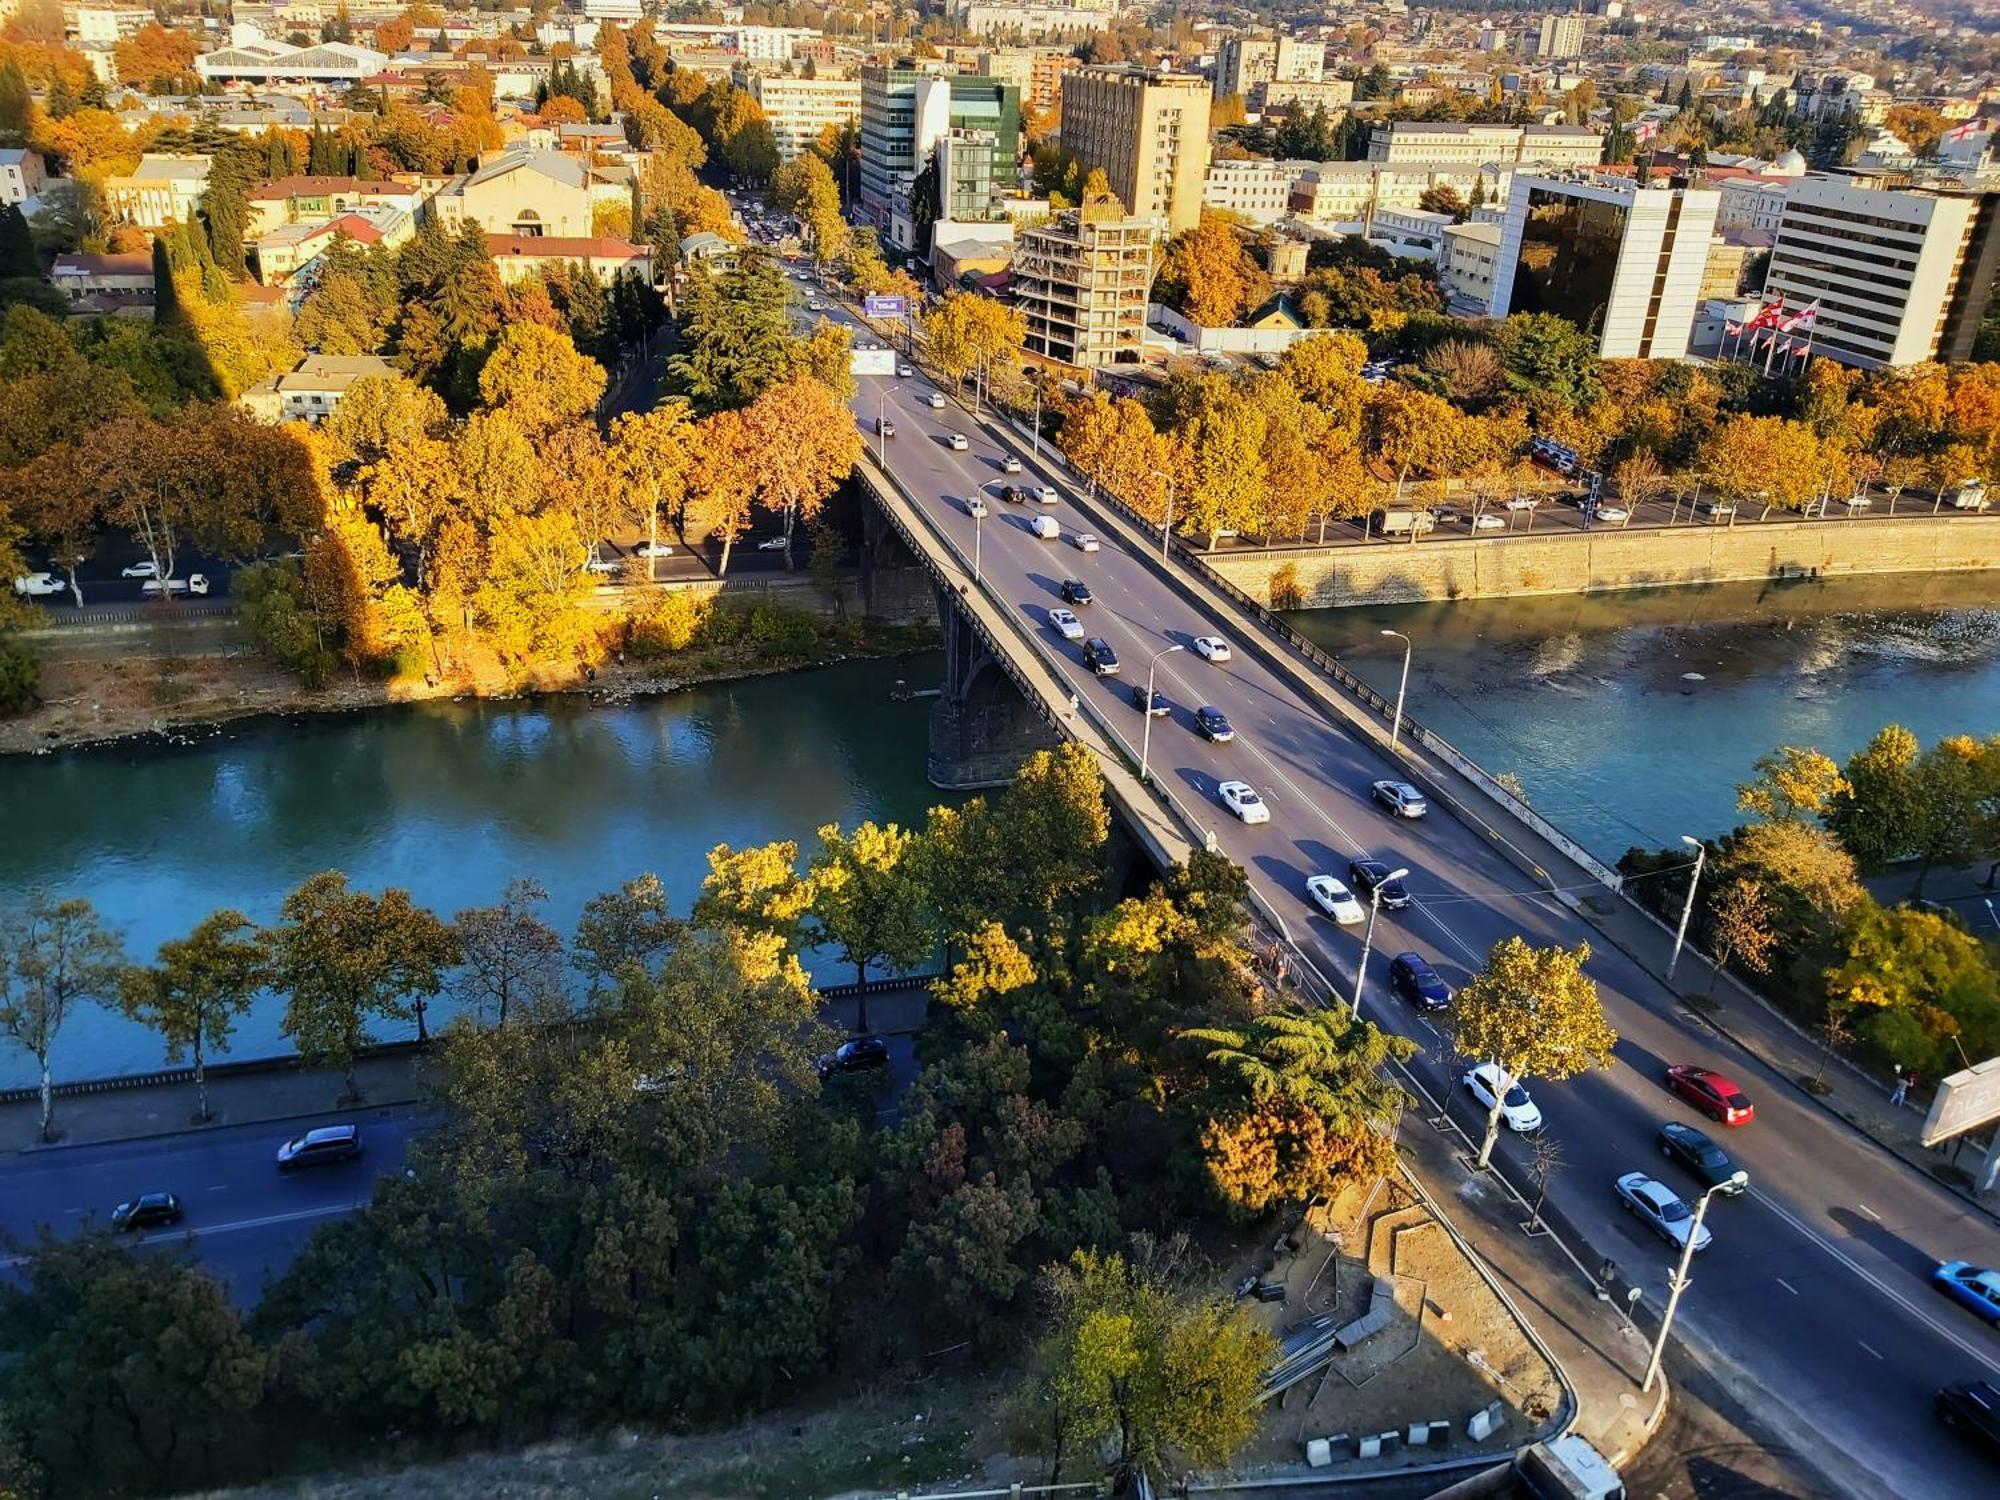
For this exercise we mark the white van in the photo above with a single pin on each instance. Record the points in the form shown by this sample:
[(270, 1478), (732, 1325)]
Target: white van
[(1045, 527)]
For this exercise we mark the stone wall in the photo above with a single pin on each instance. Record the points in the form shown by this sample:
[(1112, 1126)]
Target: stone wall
[(1567, 562)]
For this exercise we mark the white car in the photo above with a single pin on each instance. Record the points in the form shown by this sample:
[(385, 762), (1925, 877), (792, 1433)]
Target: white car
[(976, 507), (1335, 899), (652, 549), (1523, 502), (146, 569), (1210, 647), (1045, 494), (814, 307), (956, 442), (1067, 625), (771, 544), (1518, 1112), (1613, 513), (1241, 798), (603, 567), (904, 370), (1045, 528), (1010, 465), (1660, 1209), (38, 585), (935, 400), (194, 583), (1486, 521), (1085, 542)]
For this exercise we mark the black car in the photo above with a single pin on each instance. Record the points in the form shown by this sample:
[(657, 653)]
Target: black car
[(1700, 1155), (1011, 493), (329, 1143), (1214, 724), (1075, 591), (855, 1055), (1099, 657), (1366, 874), (1150, 701), (1972, 1409), (1416, 981), (147, 1211)]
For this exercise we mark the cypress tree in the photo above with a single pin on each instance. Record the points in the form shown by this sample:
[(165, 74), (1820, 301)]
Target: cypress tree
[(17, 245), (166, 302)]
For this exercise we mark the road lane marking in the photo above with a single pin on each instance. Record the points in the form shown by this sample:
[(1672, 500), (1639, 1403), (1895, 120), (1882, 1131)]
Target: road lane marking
[(171, 1236), (1865, 1345), (1868, 1211), (1788, 1286)]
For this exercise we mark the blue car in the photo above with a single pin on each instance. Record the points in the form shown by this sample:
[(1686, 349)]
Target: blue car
[(1417, 982), (1976, 1287)]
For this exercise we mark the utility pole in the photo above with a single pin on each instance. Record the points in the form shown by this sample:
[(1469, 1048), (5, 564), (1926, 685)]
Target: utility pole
[(1368, 938), (1402, 687), (1687, 909), (1679, 1283)]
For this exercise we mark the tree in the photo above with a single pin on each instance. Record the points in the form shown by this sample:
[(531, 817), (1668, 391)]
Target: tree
[(804, 187), (758, 889), (735, 338), (507, 955), (650, 453), (1209, 275), (1547, 353), (1762, 460), (1926, 989), (1534, 1013), (965, 332), (722, 486), (1805, 874), (624, 929), (18, 259), (1917, 126), (801, 443), (196, 990), (870, 900), (536, 376), (1791, 785), (54, 956), (1739, 928)]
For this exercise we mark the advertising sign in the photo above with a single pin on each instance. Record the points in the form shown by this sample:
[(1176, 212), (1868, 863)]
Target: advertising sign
[(886, 307)]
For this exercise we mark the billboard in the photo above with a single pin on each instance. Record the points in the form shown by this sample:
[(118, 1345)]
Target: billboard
[(886, 307), (872, 361), (1964, 1101)]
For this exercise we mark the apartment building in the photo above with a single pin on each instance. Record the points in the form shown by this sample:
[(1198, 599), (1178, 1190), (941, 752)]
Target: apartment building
[(1351, 192), (22, 174), (1036, 71), (800, 108), (160, 190), (1622, 262), (310, 200), (1148, 131), (1257, 190), (1751, 203), (1081, 282), (1037, 20), (1243, 62), (1466, 266), (1560, 37), (1329, 94), (1438, 143), (1901, 276), (906, 111)]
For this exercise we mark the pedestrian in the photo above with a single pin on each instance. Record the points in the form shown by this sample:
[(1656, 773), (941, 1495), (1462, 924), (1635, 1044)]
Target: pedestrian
[(1902, 1089)]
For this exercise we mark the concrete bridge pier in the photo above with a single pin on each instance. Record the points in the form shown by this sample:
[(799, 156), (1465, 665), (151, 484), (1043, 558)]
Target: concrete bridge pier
[(982, 729)]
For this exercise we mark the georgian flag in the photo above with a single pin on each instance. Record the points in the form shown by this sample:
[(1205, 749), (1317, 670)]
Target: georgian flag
[(1964, 132), (1769, 314)]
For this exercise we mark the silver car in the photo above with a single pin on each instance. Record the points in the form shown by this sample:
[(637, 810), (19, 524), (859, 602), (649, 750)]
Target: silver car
[(1660, 1209)]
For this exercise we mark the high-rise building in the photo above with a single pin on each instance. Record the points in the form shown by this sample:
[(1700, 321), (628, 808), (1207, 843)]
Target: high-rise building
[(1148, 132), (1622, 262), (1561, 36), (1900, 276), (1036, 71), (1443, 143), (800, 108), (1082, 282), (1243, 62), (906, 111)]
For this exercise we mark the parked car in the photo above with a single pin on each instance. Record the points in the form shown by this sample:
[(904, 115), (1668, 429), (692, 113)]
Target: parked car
[(1241, 798), (772, 544), (1412, 977), (1150, 700), (147, 1211), (1974, 1286), (1099, 657), (1968, 496), (1045, 494), (1701, 1156), (194, 583), (328, 1143), (934, 400), (1214, 725), (1613, 513), (38, 585), (601, 566), (1402, 799), (1973, 1410), (975, 506), (855, 1055), (1075, 591), (1210, 647), (1660, 1209), (1523, 502), (1714, 1095), (1045, 527), (956, 442), (1486, 521), (1067, 625), (1085, 541), (144, 568), (1367, 874), (1715, 510), (1335, 899), (1518, 1111)]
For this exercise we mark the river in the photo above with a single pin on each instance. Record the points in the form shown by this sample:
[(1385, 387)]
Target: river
[(449, 800), (1631, 717)]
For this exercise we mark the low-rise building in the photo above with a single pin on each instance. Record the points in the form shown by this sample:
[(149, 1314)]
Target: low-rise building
[(1441, 143), (520, 193), (288, 249), (1465, 269), (84, 278), (1293, 96), (262, 62), (311, 200), (520, 257), (1412, 233), (1256, 190), (313, 388), (21, 174), (160, 190), (1081, 282), (963, 253)]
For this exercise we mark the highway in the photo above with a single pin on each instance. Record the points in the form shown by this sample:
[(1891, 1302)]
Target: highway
[(1811, 1307)]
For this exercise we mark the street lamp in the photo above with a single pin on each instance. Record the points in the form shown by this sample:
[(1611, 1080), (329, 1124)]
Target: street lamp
[(1146, 735), (881, 400), (1167, 530), (1679, 1283), (978, 526), (1687, 910), (1396, 728), (1368, 937)]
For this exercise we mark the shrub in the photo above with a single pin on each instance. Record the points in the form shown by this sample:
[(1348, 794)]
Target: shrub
[(20, 674), (780, 633), (671, 625), (271, 597)]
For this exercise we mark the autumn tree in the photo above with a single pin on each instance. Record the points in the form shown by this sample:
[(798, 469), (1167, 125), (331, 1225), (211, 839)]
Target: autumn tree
[(508, 957), (758, 889), (54, 956), (1767, 461), (1209, 276), (531, 601), (537, 377), (196, 990), (805, 189), (1739, 929), (651, 454), (800, 443), (1925, 990), (870, 900), (1791, 785), (965, 332)]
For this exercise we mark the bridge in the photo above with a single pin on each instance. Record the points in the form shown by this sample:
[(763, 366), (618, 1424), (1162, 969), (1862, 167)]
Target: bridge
[(1811, 1305)]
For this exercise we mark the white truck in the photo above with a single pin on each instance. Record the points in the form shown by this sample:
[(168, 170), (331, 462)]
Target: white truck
[(1968, 496), (1404, 522)]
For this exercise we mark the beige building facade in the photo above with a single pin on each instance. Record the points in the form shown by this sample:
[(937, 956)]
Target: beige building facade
[(1081, 283), (1148, 131), (527, 193), (800, 108)]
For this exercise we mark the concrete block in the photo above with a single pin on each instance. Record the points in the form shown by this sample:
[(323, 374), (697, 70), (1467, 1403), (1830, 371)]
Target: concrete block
[(1485, 1423), (1440, 1433), (1319, 1453), (1419, 1434), (1370, 1447)]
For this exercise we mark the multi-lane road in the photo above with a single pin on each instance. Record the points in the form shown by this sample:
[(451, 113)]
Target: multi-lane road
[(1811, 1306)]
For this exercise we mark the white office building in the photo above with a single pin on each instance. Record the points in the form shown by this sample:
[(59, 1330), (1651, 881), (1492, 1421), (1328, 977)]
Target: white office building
[(1243, 62), (1258, 190), (800, 108), (1561, 36), (1441, 143)]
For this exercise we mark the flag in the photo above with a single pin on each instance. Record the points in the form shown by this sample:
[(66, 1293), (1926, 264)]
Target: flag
[(1804, 318), (1964, 132), (1731, 330), (1769, 314)]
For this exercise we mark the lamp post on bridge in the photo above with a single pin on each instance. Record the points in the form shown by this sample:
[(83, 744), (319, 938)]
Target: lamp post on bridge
[(1368, 937), (1396, 728), (1146, 734), (1167, 528)]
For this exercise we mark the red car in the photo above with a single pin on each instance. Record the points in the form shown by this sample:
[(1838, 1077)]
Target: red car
[(1714, 1095)]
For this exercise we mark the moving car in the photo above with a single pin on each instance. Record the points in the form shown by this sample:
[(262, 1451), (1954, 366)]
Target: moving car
[(1715, 510), (1402, 799), (1151, 701), (1210, 647), (1517, 1111), (1701, 1156), (1099, 657), (329, 1143), (1714, 1095), (1045, 527), (904, 369), (1412, 977), (1075, 591), (194, 583), (855, 1055), (771, 544), (1613, 513), (142, 569), (1975, 1286), (976, 507), (1011, 493), (1010, 465), (934, 400), (885, 427), (1214, 725), (1367, 874), (1241, 798), (1486, 521), (601, 565), (956, 442), (1523, 502), (652, 549), (1656, 1206), (1973, 1410), (1085, 541), (147, 1211), (1067, 625), (38, 585), (1335, 899), (1045, 494)]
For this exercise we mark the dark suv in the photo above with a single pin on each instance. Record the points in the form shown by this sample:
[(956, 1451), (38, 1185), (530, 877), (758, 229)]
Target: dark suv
[(1416, 981), (1099, 657), (147, 1211), (855, 1055), (1973, 1410), (1075, 591), (329, 1143), (1365, 874)]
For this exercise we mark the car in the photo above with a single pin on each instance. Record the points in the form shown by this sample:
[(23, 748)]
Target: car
[(1974, 1410), (1099, 657), (1011, 493), (1974, 1286), (1214, 725), (1045, 494), (38, 585), (869, 346), (1151, 701), (1523, 502), (1085, 541), (1486, 521), (1010, 465), (601, 565), (147, 1211), (1335, 899), (975, 506), (1715, 510), (772, 544), (194, 583), (146, 568), (327, 1143), (934, 400), (1613, 513), (652, 549), (1210, 647), (1402, 799), (1714, 1095), (1066, 624), (1045, 527), (885, 427), (1075, 591), (855, 1055), (1517, 1110), (1412, 977), (1660, 1209), (956, 442), (1367, 875), (1241, 798), (1701, 1156), (904, 369), (814, 306), (1860, 502)]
